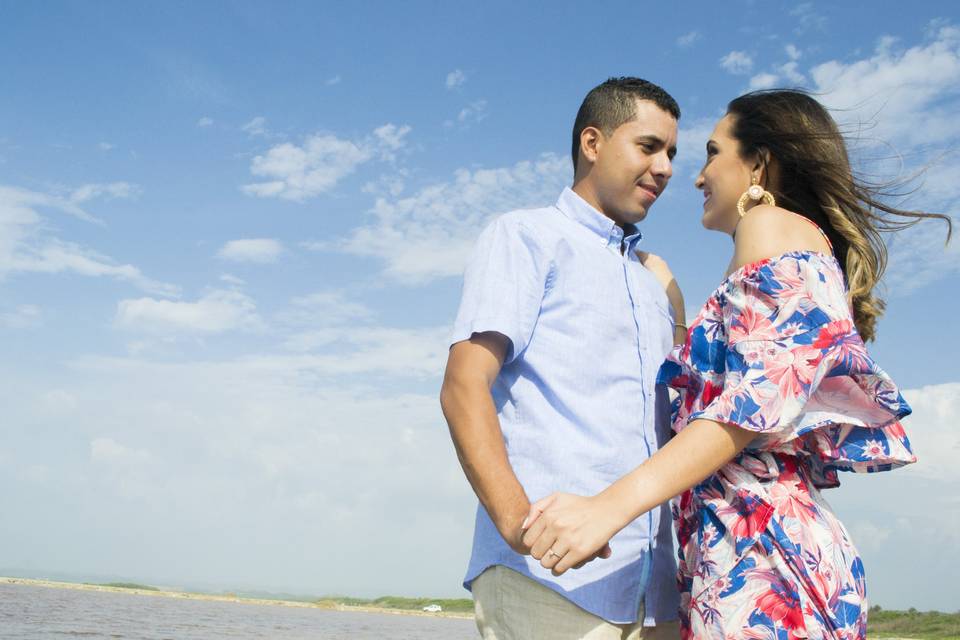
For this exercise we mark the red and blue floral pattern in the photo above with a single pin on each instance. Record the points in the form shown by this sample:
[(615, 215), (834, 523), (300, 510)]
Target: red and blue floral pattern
[(774, 350)]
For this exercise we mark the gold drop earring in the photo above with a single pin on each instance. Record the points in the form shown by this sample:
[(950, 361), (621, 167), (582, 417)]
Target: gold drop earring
[(756, 193)]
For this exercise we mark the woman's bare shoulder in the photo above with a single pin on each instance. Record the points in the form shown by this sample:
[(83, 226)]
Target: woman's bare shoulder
[(768, 231)]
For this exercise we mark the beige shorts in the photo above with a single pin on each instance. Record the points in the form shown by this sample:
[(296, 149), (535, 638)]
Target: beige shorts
[(511, 606)]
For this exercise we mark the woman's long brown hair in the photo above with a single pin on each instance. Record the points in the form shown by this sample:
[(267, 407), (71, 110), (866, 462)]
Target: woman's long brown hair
[(814, 179)]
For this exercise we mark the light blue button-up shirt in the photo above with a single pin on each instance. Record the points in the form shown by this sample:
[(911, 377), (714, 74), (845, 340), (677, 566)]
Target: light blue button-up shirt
[(589, 327)]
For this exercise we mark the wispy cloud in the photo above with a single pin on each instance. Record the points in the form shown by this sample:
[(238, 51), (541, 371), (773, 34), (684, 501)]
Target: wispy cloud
[(256, 127), (111, 190), (691, 145), (737, 62), (428, 235), (259, 250), (474, 112), (455, 79), (204, 122), (688, 39), (807, 18), (21, 317), (28, 246)]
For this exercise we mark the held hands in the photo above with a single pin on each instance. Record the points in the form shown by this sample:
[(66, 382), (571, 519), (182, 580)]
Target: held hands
[(565, 531)]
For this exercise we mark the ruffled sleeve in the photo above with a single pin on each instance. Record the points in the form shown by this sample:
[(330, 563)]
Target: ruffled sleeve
[(796, 371)]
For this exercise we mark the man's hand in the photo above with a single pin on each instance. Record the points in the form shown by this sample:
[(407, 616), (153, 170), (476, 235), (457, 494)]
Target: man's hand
[(566, 531), (472, 368)]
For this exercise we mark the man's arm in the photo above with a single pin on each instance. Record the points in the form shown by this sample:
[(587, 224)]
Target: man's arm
[(472, 368)]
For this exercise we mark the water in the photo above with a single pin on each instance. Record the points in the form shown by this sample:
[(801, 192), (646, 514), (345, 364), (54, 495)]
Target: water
[(32, 612)]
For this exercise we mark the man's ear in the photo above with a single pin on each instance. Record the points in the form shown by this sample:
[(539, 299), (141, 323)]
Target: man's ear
[(591, 140)]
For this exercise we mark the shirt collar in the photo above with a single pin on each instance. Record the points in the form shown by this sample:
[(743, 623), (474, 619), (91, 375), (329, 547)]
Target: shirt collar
[(579, 210)]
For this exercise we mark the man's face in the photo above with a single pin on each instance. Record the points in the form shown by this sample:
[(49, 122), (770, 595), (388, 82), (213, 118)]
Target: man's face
[(634, 163)]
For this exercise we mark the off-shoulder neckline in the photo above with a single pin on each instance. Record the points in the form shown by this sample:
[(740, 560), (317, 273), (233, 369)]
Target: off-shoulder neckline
[(738, 271)]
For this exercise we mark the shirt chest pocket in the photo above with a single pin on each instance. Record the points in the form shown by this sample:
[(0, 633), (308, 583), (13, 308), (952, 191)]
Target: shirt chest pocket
[(659, 326)]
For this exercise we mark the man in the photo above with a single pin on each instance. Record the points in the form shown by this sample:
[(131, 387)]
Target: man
[(550, 381)]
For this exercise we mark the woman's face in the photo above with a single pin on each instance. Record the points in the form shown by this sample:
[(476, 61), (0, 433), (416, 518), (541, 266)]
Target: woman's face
[(723, 179)]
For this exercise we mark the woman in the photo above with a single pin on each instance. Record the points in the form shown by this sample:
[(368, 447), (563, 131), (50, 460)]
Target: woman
[(776, 391)]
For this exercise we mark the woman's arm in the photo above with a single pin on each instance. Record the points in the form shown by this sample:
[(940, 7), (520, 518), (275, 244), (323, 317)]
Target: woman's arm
[(659, 268), (564, 530)]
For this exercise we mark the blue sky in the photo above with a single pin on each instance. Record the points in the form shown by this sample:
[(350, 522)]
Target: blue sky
[(230, 244)]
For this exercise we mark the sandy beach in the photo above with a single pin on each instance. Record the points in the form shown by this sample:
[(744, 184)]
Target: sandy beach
[(186, 595)]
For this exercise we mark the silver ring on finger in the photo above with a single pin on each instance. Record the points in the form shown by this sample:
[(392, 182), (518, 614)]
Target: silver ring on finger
[(555, 554)]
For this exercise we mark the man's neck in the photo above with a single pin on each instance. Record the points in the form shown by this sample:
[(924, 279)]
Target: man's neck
[(585, 190)]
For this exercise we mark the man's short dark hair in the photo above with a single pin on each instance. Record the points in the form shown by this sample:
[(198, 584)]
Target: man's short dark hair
[(614, 102)]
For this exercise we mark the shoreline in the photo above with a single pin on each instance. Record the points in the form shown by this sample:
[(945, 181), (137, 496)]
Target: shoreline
[(188, 595)]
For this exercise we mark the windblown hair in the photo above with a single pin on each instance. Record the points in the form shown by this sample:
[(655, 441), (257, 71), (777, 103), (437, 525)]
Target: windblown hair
[(814, 179), (614, 102)]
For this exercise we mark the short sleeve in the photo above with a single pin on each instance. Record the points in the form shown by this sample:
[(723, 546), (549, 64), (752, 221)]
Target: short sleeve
[(795, 368), (503, 285)]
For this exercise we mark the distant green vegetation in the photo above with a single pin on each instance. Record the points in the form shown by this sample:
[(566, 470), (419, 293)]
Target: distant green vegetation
[(458, 605), (923, 625), (128, 585)]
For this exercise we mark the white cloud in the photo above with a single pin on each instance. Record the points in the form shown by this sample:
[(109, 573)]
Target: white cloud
[(27, 244), (428, 235), (790, 72), (910, 517), (256, 127), (232, 280), (688, 39), (933, 432), (216, 312), (763, 81), (88, 192), (456, 78), (261, 250), (22, 317), (58, 401), (110, 451), (898, 89), (302, 172), (406, 353), (474, 112), (390, 138), (333, 80), (792, 51), (307, 171), (692, 145), (106, 146), (737, 62), (204, 122), (908, 97), (807, 18), (323, 309), (392, 184)]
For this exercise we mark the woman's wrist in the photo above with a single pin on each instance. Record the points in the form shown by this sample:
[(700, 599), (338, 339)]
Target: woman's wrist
[(620, 508)]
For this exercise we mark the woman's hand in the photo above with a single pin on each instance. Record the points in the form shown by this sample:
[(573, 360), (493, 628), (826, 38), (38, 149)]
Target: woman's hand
[(566, 531)]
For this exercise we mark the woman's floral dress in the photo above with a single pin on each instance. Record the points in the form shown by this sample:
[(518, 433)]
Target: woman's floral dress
[(774, 350)]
